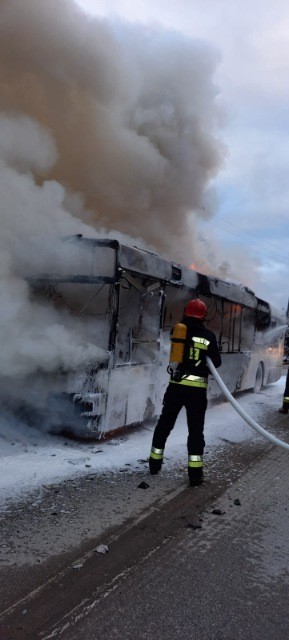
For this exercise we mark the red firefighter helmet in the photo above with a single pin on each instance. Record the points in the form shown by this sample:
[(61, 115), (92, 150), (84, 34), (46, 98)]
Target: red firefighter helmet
[(195, 309)]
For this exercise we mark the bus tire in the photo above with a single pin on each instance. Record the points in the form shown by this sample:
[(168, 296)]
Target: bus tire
[(258, 378)]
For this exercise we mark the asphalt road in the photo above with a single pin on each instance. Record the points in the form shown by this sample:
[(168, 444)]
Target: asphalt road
[(227, 579), (210, 562)]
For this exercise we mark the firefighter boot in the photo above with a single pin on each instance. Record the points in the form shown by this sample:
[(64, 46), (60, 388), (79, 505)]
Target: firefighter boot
[(155, 460), (284, 409), (195, 469), (196, 476)]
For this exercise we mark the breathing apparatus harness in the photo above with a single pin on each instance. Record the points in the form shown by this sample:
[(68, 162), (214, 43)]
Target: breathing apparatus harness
[(185, 357), (178, 347)]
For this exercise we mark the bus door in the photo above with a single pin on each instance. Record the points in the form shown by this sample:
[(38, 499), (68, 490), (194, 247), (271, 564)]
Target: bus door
[(133, 379)]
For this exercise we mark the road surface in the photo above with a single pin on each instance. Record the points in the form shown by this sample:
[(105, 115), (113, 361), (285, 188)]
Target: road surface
[(209, 561)]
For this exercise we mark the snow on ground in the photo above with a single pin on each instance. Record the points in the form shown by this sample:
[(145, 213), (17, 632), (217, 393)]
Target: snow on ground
[(30, 458)]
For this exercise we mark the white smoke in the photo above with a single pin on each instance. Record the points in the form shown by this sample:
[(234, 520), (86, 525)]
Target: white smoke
[(103, 127), (25, 145), (133, 111), (34, 336)]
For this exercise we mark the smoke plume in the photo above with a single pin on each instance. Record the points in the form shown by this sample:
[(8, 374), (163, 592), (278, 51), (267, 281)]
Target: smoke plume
[(132, 110), (105, 129)]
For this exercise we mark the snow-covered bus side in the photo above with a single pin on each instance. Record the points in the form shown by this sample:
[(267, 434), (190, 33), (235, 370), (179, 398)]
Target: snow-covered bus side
[(127, 300)]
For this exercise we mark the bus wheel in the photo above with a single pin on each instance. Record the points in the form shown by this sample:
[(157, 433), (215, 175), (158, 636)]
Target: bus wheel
[(259, 378)]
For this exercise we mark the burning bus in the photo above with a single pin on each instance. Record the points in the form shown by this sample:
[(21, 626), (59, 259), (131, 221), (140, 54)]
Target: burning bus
[(127, 301)]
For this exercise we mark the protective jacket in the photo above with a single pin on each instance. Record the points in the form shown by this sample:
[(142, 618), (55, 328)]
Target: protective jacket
[(200, 342), (286, 393)]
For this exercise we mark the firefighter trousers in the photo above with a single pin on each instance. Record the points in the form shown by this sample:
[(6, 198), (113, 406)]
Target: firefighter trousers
[(194, 399), (286, 392)]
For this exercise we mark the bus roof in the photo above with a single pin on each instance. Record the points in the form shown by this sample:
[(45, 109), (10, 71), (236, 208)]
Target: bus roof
[(139, 262)]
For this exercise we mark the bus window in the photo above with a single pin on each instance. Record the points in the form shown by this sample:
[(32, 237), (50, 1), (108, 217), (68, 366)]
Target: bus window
[(85, 305), (224, 319), (175, 302), (214, 317), (263, 320), (248, 329), (236, 327)]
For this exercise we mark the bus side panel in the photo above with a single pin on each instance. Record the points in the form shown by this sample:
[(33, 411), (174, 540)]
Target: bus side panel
[(116, 408), (142, 394), (271, 367), (273, 373), (249, 374), (268, 352), (272, 355), (231, 371), (133, 395)]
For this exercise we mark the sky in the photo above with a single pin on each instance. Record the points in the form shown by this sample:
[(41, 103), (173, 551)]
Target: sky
[(31, 459), (248, 229)]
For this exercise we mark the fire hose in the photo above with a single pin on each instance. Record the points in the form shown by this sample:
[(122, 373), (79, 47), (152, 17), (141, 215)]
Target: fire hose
[(241, 411)]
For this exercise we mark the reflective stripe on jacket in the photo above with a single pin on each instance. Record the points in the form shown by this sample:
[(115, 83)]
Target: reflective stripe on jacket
[(192, 381)]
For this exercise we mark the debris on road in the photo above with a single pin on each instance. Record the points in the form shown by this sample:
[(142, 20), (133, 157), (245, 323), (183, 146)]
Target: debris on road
[(194, 525), (218, 512), (143, 485), (102, 548)]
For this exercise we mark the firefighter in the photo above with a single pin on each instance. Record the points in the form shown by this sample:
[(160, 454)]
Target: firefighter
[(285, 406), (187, 388)]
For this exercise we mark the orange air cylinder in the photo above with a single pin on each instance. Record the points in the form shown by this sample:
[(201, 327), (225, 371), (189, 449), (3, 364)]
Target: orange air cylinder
[(178, 339)]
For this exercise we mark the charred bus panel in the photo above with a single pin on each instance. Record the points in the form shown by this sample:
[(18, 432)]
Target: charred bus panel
[(127, 301)]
